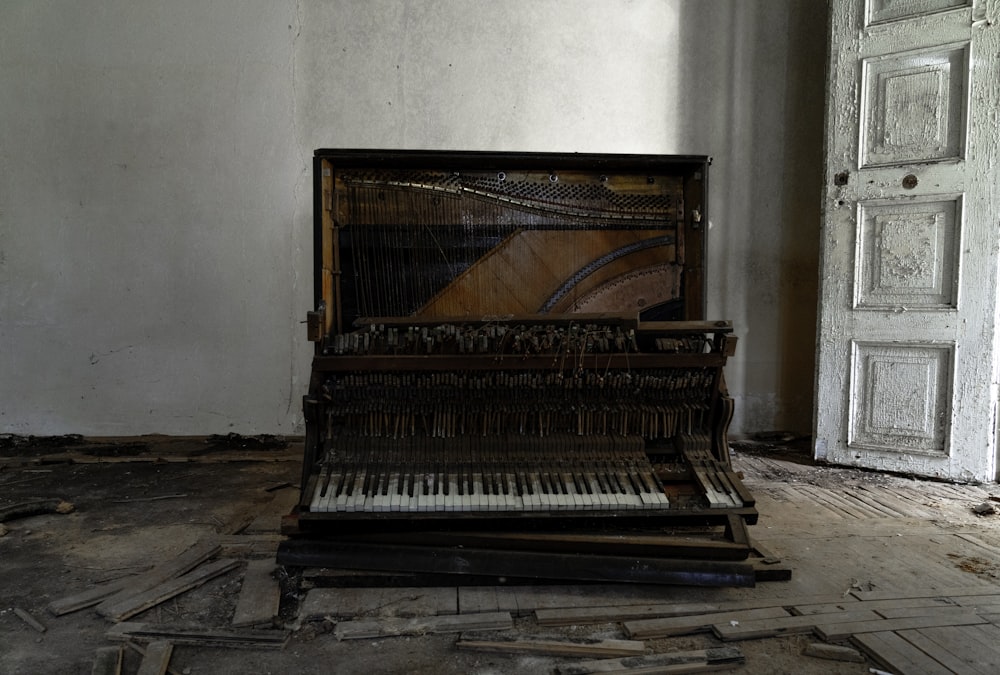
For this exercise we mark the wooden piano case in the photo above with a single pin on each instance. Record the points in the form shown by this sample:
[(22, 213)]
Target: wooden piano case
[(512, 361)]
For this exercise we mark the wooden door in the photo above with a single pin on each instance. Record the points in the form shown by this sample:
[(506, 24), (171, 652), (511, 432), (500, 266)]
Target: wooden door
[(907, 362)]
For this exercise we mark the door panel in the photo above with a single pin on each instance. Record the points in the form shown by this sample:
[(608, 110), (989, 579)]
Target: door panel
[(907, 368)]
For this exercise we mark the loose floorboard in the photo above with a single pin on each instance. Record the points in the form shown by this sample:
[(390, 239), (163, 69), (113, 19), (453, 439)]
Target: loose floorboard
[(585, 615), (844, 631), (685, 625), (788, 625), (695, 661), (156, 659), (595, 648), (135, 604), (349, 603), (390, 627), (898, 655), (146, 632), (963, 646), (161, 573), (260, 594)]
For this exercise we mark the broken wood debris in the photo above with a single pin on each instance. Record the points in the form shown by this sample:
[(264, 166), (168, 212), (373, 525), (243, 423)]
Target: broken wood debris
[(142, 653), (87, 598), (156, 660), (768, 557), (107, 661), (182, 564), (34, 508), (833, 652), (135, 604), (593, 647), (400, 602), (686, 625), (695, 661), (130, 630), (259, 596), (115, 591), (27, 618), (355, 630), (147, 499)]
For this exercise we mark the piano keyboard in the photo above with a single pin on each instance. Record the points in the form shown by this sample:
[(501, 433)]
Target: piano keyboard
[(491, 475)]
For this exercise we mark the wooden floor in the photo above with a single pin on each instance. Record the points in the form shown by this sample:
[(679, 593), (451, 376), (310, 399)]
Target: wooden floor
[(907, 548), (901, 571)]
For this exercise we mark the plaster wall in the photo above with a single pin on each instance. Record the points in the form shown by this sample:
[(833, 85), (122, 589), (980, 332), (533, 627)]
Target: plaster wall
[(155, 197)]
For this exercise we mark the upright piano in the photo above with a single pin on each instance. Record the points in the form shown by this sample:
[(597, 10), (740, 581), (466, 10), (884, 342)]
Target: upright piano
[(513, 371)]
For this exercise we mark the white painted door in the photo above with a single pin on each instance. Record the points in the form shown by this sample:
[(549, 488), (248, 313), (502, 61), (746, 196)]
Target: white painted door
[(907, 362)]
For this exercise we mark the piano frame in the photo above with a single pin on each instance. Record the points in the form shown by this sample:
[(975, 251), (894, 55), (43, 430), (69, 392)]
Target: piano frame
[(419, 541)]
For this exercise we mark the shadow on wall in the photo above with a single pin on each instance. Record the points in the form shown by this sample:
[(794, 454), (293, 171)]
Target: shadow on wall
[(753, 82)]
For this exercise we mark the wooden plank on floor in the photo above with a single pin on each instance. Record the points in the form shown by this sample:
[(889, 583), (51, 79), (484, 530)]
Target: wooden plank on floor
[(156, 660), (27, 618), (906, 612), (891, 501), (827, 498), (259, 596), (895, 654), (765, 552), (858, 496), (350, 603), (977, 600), (479, 599), (789, 625), (268, 519), (826, 608), (800, 499), (594, 648), (165, 571), (843, 631), (979, 542), (532, 598), (135, 604), (373, 628), (915, 497), (959, 648), (87, 598), (146, 632), (694, 661), (107, 661), (571, 616), (589, 615), (685, 625), (249, 544), (950, 592)]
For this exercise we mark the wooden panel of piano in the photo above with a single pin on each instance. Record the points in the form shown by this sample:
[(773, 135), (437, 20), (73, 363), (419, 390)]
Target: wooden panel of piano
[(511, 358)]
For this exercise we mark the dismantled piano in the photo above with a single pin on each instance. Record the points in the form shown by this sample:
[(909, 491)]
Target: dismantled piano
[(513, 376)]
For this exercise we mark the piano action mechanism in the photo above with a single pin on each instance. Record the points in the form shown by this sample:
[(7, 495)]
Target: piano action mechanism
[(512, 374)]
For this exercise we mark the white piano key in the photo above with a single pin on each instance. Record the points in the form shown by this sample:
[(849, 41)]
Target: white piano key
[(317, 495), (329, 500), (478, 499), (452, 503), (395, 499), (340, 503)]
